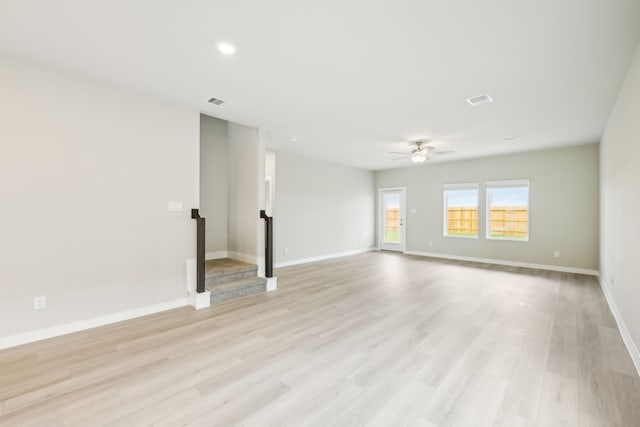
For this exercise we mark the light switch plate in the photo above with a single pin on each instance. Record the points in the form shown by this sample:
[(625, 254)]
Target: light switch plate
[(40, 302)]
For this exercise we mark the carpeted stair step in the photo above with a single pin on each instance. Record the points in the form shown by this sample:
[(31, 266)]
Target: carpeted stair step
[(238, 288), (219, 271)]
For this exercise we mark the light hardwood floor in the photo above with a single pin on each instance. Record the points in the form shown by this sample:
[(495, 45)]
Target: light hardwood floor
[(378, 339)]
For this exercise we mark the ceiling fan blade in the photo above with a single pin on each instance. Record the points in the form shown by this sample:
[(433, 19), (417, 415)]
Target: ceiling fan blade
[(400, 158), (442, 152), (397, 152)]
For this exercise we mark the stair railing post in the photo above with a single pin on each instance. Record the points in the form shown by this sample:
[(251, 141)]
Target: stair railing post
[(268, 243), (200, 249)]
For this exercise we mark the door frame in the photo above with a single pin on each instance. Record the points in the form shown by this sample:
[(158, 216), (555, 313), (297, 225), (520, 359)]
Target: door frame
[(403, 217)]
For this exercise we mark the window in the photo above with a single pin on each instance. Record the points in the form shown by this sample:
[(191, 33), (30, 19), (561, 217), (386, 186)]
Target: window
[(508, 210), (461, 210), (391, 217)]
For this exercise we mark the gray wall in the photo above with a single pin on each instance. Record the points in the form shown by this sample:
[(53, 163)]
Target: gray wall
[(86, 172), (321, 208), (246, 173), (563, 201), (214, 180), (620, 206)]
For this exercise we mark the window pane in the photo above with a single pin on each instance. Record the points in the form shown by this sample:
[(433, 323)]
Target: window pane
[(392, 218), (461, 213), (508, 213)]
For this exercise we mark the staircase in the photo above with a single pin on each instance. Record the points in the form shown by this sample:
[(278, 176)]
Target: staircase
[(227, 278)]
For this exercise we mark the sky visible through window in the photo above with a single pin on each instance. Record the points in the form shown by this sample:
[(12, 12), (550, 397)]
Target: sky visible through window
[(392, 201), (509, 196), (462, 198)]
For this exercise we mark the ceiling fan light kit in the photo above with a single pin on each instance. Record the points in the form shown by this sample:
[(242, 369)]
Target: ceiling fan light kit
[(419, 156), (420, 153)]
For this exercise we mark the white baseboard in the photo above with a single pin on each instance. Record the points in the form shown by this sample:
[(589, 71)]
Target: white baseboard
[(251, 259), (626, 337), (216, 255), (321, 257), (507, 263), (55, 331)]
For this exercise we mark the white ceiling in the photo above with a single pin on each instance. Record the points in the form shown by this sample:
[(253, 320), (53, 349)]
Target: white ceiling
[(353, 80)]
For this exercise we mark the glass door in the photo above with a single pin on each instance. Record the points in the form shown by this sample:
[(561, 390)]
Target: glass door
[(391, 219)]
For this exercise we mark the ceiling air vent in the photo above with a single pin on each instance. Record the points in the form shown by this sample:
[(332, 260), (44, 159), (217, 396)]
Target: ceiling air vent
[(218, 102), (477, 100)]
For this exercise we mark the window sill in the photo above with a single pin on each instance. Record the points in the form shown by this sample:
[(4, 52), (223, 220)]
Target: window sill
[(460, 237), (508, 239)]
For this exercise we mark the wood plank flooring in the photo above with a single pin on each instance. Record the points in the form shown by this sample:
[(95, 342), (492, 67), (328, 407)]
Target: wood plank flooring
[(378, 339)]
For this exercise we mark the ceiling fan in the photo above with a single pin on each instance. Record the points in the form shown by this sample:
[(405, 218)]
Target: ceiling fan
[(420, 153)]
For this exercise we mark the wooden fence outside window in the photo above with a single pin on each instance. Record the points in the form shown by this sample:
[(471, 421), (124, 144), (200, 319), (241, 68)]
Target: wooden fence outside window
[(504, 221), (509, 222), (462, 221)]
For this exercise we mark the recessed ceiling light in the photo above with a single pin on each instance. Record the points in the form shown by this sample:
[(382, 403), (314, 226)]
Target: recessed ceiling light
[(480, 99), (294, 139), (226, 48)]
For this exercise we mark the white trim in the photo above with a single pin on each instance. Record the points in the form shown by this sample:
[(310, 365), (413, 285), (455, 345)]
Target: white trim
[(510, 183), (81, 325), (261, 262), (445, 207), (272, 284), (200, 300), (403, 219), (508, 239), (626, 337), (462, 186), (268, 195), (216, 255), (507, 263), (191, 275), (251, 259), (321, 257), (487, 212)]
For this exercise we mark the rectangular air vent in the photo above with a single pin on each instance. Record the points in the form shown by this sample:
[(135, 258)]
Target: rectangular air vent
[(477, 100), (217, 102)]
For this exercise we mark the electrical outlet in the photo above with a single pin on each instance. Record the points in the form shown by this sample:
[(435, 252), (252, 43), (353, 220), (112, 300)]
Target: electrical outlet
[(39, 303), (356, 242), (286, 251), (430, 244), (556, 254)]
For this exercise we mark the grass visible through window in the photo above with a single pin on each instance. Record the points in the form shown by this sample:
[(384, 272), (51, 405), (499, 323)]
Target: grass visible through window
[(392, 236)]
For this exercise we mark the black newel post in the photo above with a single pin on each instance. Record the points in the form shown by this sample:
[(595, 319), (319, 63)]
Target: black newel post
[(268, 243), (200, 249)]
